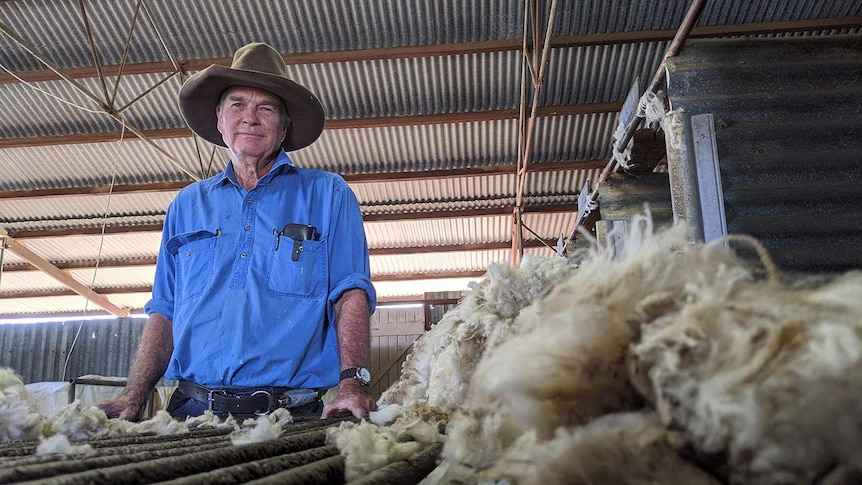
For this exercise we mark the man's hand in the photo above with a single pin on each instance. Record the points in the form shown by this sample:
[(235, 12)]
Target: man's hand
[(353, 398), (122, 407), (154, 352)]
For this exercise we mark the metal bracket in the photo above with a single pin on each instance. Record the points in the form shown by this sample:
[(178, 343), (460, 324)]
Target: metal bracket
[(693, 166), (708, 177)]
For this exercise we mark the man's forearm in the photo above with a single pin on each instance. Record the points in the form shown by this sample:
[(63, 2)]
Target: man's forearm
[(352, 315), (154, 353)]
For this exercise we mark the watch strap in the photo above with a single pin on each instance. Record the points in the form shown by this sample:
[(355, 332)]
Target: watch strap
[(354, 372)]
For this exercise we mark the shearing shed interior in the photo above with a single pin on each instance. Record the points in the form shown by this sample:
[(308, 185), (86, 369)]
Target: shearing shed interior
[(612, 241)]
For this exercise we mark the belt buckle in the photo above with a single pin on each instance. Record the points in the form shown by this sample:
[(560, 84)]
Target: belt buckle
[(269, 405), (210, 393)]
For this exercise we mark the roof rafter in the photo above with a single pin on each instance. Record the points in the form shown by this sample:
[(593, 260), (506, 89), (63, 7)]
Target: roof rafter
[(367, 218), (358, 123), (149, 288), (362, 178), (64, 278), (395, 251), (453, 49)]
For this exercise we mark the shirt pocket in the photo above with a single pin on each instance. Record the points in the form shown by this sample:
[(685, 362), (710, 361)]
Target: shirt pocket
[(194, 254), (305, 277)]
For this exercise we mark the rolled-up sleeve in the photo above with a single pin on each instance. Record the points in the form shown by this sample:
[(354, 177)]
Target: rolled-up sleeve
[(164, 282), (348, 248)]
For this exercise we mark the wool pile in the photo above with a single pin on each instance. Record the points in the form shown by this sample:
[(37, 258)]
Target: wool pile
[(368, 446), (435, 377), (441, 365), (18, 420), (670, 361), (75, 423)]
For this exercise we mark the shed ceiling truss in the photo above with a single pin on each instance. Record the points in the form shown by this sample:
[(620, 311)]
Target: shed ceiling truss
[(535, 46)]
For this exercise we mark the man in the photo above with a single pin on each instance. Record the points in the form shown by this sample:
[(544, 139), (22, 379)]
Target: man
[(262, 294)]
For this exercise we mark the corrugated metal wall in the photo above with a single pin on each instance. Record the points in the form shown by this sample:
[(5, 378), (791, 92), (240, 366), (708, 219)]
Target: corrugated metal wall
[(38, 352), (107, 347), (788, 116)]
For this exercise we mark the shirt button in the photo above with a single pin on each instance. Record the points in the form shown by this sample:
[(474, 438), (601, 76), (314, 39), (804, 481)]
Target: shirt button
[(247, 227), (243, 256), (249, 201), (188, 253)]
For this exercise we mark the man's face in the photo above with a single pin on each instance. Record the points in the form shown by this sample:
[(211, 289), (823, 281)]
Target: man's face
[(252, 121)]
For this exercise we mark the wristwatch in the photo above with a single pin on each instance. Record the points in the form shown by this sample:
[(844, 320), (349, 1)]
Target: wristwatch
[(361, 374)]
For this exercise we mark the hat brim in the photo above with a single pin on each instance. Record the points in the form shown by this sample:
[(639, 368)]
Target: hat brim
[(200, 94)]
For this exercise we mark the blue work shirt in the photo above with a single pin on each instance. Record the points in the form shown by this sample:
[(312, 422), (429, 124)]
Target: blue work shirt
[(251, 306)]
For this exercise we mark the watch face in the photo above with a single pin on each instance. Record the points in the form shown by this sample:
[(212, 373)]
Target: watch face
[(361, 374), (364, 374)]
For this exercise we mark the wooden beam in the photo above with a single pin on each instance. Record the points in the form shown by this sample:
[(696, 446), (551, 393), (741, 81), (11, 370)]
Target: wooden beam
[(86, 138), (95, 190), (507, 169), (367, 217), (31, 257), (12, 295), (448, 214), (388, 300), (400, 251), (428, 276), (710, 31), (466, 48), (348, 124), (86, 231), (406, 251), (361, 178), (106, 263), (470, 116), (124, 312)]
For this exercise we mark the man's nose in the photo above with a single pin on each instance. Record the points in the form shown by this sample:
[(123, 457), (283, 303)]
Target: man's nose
[(250, 116)]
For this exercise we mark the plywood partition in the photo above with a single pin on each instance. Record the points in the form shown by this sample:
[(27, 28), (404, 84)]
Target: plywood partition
[(393, 331)]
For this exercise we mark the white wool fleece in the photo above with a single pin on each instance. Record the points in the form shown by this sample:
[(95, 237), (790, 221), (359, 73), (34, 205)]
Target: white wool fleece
[(443, 359), (564, 373), (18, 417), (625, 448), (567, 364), (762, 380)]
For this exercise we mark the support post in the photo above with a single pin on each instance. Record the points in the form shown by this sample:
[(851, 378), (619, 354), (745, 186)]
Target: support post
[(695, 179)]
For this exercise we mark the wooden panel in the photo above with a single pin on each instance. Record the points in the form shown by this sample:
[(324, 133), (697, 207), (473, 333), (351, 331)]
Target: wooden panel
[(393, 332)]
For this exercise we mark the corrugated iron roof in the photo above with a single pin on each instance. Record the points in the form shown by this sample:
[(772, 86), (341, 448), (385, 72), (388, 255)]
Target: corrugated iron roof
[(422, 101)]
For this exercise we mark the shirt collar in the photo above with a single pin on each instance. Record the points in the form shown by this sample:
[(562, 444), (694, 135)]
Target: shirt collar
[(282, 163)]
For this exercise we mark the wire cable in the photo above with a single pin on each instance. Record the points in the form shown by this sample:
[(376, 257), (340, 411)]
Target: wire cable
[(99, 254), (50, 95), (2, 253)]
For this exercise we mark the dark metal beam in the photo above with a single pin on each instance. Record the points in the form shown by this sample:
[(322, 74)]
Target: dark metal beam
[(11, 295), (466, 48), (368, 218), (351, 178), (448, 214), (390, 300), (400, 251), (358, 123)]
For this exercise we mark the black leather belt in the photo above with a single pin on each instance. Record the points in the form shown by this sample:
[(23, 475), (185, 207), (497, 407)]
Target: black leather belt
[(256, 402)]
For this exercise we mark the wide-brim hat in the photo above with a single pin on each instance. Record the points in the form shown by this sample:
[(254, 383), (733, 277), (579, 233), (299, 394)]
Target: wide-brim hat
[(255, 65)]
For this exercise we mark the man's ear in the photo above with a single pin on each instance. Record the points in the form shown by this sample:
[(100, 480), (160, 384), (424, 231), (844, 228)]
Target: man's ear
[(218, 118)]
